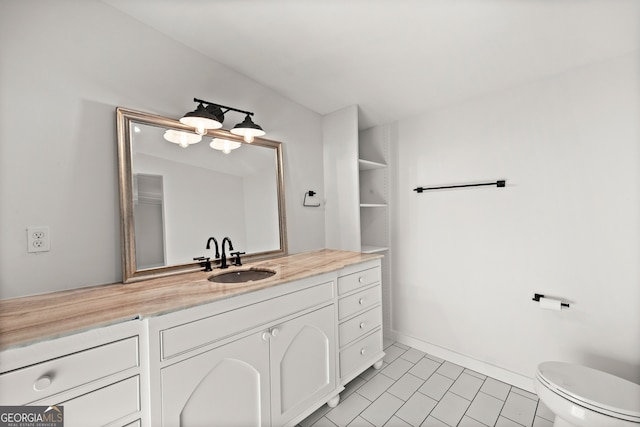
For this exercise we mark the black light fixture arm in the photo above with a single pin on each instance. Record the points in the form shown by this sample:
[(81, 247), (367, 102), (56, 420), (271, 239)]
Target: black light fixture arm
[(202, 101)]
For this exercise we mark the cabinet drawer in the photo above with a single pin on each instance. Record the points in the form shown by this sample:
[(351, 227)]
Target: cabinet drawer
[(360, 352), (360, 325), (357, 280), (36, 382), (201, 332), (358, 302), (103, 406)]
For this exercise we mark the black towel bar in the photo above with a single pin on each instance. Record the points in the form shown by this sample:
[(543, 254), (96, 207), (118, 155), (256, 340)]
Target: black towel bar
[(499, 183)]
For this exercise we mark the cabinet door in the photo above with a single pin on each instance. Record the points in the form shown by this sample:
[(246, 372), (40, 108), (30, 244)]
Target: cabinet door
[(227, 386), (302, 363)]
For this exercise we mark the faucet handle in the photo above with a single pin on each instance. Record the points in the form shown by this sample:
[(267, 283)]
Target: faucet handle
[(206, 263), (237, 261)]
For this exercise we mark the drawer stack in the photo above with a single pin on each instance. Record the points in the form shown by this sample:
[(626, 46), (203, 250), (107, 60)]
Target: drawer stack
[(96, 385), (360, 319)]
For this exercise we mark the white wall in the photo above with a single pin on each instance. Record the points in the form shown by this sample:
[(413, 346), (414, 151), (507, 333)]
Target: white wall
[(466, 263), (64, 68), (342, 199)]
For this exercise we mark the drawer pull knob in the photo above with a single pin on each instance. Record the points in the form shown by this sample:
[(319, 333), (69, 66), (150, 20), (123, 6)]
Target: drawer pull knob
[(274, 332), (361, 325), (265, 336), (362, 351), (361, 279), (361, 301), (42, 383)]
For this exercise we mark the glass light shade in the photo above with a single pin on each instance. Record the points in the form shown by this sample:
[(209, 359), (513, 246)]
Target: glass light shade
[(183, 139), (248, 129), (224, 145)]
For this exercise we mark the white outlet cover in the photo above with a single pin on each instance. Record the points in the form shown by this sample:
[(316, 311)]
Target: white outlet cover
[(38, 239)]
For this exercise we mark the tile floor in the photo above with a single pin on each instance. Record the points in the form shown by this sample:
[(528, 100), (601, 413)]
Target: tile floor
[(418, 389)]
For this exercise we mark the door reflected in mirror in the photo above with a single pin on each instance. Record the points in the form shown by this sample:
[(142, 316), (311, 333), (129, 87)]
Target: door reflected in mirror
[(179, 188)]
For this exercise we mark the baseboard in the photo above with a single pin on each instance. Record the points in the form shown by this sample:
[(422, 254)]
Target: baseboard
[(501, 374)]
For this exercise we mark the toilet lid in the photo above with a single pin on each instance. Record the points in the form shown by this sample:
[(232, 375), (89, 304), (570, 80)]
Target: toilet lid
[(592, 388)]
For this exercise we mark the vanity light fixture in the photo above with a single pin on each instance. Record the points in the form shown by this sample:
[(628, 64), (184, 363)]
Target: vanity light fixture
[(209, 115), (182, 138), (224, 145)]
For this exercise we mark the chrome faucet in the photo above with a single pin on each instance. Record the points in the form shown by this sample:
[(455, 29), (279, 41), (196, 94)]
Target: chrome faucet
[(223, 260)]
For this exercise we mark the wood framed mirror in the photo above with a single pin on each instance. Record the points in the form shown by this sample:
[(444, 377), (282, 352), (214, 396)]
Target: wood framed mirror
[(173, 198)]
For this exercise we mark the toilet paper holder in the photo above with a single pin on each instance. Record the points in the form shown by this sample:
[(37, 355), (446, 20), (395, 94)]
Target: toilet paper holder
[(536, 298)]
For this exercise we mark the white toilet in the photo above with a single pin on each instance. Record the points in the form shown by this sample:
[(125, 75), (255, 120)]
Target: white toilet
[(586, 397)]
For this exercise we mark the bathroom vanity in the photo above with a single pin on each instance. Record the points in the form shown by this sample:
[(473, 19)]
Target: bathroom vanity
[(185, 351)]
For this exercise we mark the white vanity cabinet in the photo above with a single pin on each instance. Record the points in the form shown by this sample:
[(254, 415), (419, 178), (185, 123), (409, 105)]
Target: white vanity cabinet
[(259, 359), (251, 354), (360, 319), (97, 376)]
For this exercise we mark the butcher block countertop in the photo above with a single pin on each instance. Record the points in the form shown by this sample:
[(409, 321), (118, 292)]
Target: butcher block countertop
[(34, 318)]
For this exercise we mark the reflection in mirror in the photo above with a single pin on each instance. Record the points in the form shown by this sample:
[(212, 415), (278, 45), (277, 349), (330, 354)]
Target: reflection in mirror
[(178, 189)]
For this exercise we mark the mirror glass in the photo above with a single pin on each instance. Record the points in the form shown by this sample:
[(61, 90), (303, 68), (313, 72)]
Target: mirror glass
[(173, 198)]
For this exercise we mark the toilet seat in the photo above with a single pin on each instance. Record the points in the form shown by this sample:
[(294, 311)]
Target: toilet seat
[(595, 390)]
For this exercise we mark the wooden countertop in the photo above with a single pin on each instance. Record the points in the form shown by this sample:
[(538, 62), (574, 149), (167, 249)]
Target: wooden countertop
[(29, 319)]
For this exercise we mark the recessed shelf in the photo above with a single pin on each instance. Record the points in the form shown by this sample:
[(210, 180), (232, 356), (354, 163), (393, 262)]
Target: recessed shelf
[(373, 205), (368, 165), (369, 249)]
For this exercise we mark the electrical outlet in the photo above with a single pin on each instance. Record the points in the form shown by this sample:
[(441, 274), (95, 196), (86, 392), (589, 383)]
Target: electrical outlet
[(38, 239)]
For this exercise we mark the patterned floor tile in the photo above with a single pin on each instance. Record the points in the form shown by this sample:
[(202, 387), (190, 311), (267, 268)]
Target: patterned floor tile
[(421, 390)]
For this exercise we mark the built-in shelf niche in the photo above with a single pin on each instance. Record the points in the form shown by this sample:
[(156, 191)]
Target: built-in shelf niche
[(373, 184), (373, 228), (374, 190)]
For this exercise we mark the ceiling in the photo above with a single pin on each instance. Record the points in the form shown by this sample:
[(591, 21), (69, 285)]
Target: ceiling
[(395, 58)]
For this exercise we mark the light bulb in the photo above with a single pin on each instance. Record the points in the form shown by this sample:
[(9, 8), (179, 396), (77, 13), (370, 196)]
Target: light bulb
[(183, 139), (248, 138), (184, 143), (224, 145), (226, 149)]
